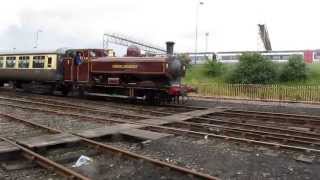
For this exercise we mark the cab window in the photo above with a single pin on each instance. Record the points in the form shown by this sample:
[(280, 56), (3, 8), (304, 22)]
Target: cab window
[(10, 61), (23, 61), (1, 62), (38, 62)]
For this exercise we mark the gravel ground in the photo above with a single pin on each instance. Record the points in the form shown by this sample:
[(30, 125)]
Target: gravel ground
[(109, 166), (35, 173), (98, 103), (65, 123), (230, 160), (105, 115), (16, 130)]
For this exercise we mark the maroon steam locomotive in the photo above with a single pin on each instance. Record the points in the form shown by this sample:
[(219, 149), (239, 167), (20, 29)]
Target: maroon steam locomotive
[(96, 72)]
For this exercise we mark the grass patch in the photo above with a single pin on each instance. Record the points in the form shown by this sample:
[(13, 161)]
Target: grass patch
[(197, 75)]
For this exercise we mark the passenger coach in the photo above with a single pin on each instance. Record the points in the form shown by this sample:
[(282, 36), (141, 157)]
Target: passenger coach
[(30, 66)]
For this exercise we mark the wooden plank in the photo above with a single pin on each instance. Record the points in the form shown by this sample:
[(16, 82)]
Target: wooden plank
[(176, 117), (48, 140), (155, 121), (180, 117), (192, 114), (104, 131), (144, 134), (7, 147), (198, 113)]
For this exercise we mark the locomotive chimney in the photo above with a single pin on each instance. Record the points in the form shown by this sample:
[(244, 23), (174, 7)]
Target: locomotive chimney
[(170, 45)]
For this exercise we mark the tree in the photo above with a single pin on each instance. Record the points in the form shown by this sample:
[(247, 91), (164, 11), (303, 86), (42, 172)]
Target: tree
[(213, 68), (253, 68), (294, 70)]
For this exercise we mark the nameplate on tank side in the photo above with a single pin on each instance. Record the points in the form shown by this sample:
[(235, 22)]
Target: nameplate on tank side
[(124, 66)]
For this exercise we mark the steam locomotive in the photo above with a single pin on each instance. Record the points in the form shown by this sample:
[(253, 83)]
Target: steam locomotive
[(97, 72)]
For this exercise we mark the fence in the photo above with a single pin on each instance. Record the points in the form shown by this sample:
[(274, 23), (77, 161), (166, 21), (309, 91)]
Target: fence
[(261, 92)]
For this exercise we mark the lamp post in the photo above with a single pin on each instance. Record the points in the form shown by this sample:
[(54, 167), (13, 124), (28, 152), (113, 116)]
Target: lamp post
[(37, 38), (206, 45), (196, 41)]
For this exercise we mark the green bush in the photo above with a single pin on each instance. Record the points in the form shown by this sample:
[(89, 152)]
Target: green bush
[(213, 68), (294, 70), (253, 68)]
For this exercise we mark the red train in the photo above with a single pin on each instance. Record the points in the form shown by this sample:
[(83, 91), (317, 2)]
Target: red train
[(95, 72)]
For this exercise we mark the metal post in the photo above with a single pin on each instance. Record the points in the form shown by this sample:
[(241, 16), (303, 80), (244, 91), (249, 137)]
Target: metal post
[(103, 41), (196, 41), (37, 38), (207, 35)]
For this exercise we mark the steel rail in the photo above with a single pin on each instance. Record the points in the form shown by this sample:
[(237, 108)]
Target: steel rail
[(45, 162), (271, 116), (115, 112), (277, 114), (108, 105), (255, 134), (258, 127), (179, 131), (231, 109), (115, 150)]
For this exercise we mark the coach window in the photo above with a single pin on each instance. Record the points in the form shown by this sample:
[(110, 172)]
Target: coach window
[(23, 61), (10, 61), (317, 55), (38, 62), (226, 57), (1, 62), (49, 62), (276, 57), (285, 57)]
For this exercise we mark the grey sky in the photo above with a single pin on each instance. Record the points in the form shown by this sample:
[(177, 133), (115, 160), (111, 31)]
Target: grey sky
[(232, 24)]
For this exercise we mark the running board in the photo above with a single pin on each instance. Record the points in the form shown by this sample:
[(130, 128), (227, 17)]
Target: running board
[(115, 96)]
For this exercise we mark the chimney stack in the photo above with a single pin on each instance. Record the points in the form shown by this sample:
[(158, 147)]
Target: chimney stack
[(170, 45)]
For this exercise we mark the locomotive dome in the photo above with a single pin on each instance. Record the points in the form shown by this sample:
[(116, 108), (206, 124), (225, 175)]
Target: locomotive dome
[(134, 51)]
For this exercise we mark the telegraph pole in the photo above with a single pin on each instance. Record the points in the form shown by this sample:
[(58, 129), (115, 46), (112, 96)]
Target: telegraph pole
[(196, 35)]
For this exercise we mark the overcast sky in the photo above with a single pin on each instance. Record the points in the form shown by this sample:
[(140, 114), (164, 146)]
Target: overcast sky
[(232, 24)]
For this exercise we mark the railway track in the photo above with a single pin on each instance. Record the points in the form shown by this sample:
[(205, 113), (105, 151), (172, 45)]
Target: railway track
[(217, 117), (304, 141), (261, 116), (98, 146), (43, 161), (277, 118), (170, 108)]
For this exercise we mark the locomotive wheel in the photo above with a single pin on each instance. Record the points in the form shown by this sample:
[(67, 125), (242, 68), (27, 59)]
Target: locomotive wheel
[(52, 89), (65, 91), (82, 92), (184, 99)]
